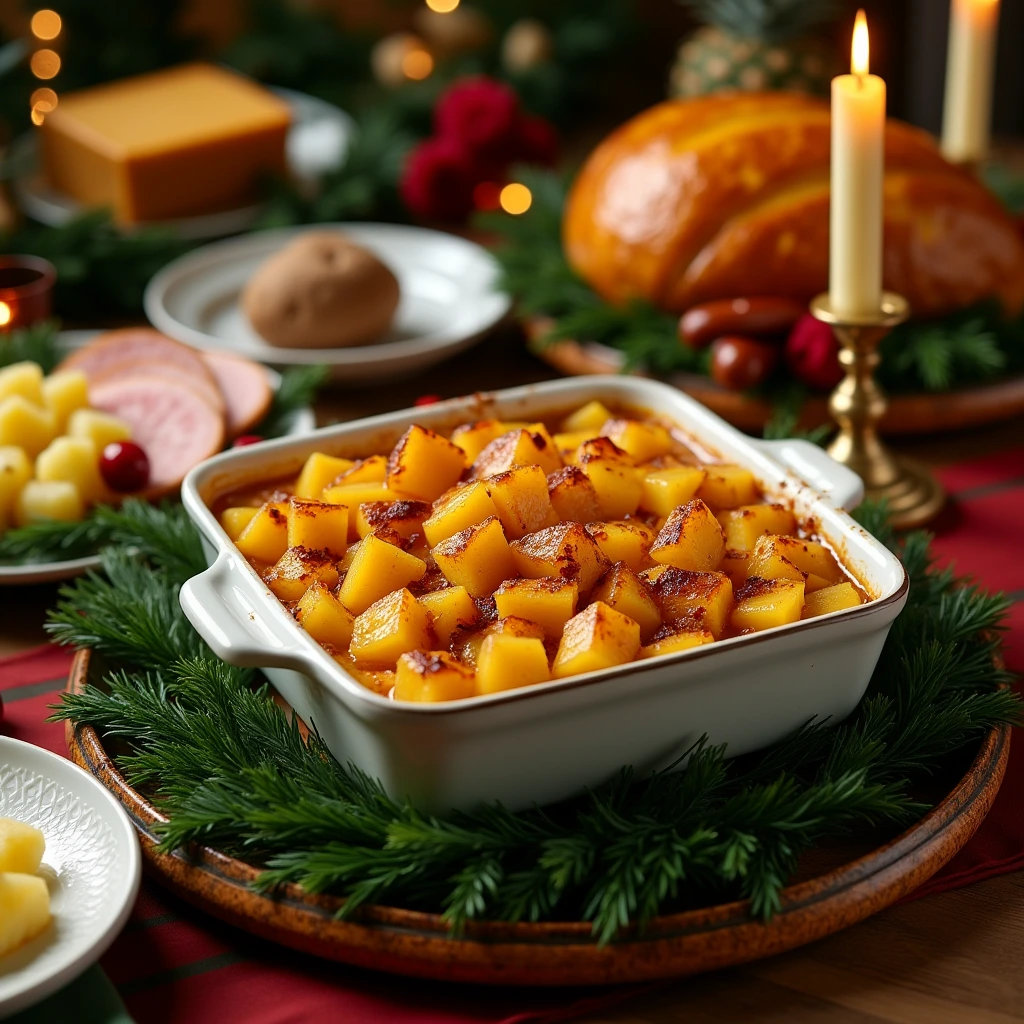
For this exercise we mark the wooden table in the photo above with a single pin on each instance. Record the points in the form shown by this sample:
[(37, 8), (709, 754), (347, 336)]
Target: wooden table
[(950, 959)]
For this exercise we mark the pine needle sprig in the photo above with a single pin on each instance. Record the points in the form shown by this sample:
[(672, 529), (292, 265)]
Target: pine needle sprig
[(34, 344)]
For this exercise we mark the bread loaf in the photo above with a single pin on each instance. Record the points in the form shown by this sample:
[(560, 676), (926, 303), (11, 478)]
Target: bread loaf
[(728, 195)]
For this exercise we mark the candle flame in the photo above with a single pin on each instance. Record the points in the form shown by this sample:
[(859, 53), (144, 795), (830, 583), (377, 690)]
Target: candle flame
[(5, 314), (859, 56)]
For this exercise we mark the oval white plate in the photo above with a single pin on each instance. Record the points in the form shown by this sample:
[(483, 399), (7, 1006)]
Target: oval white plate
[(92, 866), (449, 299)]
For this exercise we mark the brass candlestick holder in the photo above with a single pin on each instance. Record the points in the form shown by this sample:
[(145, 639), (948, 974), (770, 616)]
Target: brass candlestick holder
[(858, 403)]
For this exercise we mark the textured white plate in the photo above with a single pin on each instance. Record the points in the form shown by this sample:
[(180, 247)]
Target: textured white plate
[(449, 299), (92, 866)]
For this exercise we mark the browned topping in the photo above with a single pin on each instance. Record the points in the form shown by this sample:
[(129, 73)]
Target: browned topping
[(395, 458), (382, 513), (457, 543), (571, 475), (691, 623), (280, 518), (602, 448), (428, 663), (755, 587), (539, 440), (682, 583)]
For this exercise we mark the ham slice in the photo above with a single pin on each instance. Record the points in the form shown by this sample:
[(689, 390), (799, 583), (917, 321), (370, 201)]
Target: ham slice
[(172, 422), (244, 385)]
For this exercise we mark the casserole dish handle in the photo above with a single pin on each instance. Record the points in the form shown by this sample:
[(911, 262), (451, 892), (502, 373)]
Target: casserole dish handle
[(227, 606), (815, 466)]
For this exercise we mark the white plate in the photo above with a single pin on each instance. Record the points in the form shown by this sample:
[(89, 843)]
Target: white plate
[(303, 422), (92, 866), (317, 142), (449, 299)]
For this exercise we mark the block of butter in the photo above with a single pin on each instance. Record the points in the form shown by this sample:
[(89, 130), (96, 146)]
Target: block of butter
[(181, 142)]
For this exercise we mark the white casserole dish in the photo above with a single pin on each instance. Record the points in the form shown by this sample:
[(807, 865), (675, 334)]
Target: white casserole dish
[(543, 743)]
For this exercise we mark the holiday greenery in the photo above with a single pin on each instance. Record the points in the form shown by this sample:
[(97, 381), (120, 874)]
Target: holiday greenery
[(232, 770)]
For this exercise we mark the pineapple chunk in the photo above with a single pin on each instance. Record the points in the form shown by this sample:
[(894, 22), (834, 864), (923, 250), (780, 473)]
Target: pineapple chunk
[(458, 510), (613, 475), (265, 538), (666, 489), (25, 424), (745, 524), (430, 677), (64, 393), (324, 617), (389, 627), (24, 910), (565, 550), (643, 441), (624, 591), (810, 557), (477, 558), (599, 637), (297, 570), (520, 497), (769, 563), (831, 599), (76, 460), (473, 438), (762, 604), (21, 847), (100, 426), (573, 496), (377, 569), (728, 487), (628, 542), (235, 520), (506, 662), (467, 647), (424, 464), (319, 471), (705, 597), (318, 526), (734, 565), (567, 443), (24, 379), (672, 641), (549, 601), (354, 495), (449, 609), (690, 539), (15, 472), (403, 516), (527, 446), (591, 416), (48, 499), (373, 470)]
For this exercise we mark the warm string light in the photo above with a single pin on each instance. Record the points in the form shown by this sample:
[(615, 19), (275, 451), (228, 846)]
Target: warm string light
[(515, 198), (442, 6), (860, 51), (45, 63), (417, 64), (45, 24)]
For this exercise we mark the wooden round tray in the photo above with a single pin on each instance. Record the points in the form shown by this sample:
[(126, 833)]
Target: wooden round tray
[(418, 944)]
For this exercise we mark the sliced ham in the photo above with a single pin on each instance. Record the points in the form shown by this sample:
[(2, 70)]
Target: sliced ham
[(244, 385), (172, 422)]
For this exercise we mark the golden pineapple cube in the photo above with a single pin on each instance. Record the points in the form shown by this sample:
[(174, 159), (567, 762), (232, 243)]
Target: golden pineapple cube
[(265, 538), (26, 425), (568, 442), (565, 550), (319, 471), (377, 569), (667, 489), (521, 500), (477, 558), (24, 909), (48, 499), (506, 662), (628, 542), (762, 604), (549, 601), (734, 565), (745, 524), (21, 847), (525, 446), (15, 472), (811, 557), (831, 599), (613, 475), (458, 510), (64, 393), (769, 563), (728, 487), (100, 426), (371, 470), (25, 379), (404, 516), (591, 417), (643, 441), (324, 617), (672, 641), (297, 570), (424, 464), (691, 538), (573, 496), (432, 676), (354, 495), (473, 438), (620, 588), (74, 459), (318, 526), (389, 628), (704, 598), (466, 646), (598, 637), (234, 520), (449, 609)]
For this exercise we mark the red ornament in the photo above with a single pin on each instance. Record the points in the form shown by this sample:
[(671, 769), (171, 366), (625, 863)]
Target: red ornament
[(243, 439), (438, 180), (481, 114), (812, 353), (427, 400), (124, 467)]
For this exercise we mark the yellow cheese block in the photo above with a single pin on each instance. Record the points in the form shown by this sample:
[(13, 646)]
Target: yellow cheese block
[(176, 143)]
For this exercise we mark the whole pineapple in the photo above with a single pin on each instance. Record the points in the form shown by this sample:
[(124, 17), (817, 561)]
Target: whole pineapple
[(755, 45)]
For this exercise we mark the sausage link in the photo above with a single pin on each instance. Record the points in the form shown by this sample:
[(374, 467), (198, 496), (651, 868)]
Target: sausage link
[(757, 315)]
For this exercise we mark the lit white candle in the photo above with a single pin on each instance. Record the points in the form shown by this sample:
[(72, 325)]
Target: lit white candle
[(967, 113), (858, 163)]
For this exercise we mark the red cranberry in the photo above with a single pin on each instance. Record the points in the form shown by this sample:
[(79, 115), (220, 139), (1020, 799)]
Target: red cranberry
[(243, 439), (124, 466), (427, 400), (812, 353)]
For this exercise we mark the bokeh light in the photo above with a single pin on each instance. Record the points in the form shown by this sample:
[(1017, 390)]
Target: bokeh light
[(44, 99), (46, 24), (5, 314), (443, 6), (515, 198), (417, 65), (45, 64)]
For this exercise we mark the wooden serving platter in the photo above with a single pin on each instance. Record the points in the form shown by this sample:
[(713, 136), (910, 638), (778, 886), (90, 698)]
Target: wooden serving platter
[(552, 954)]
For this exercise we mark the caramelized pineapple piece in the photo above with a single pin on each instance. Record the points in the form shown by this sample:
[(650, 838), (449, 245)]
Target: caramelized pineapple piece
[(424, 464), (810, 557), (65, 392), (74, 459), (549, 601), (266, 536), (371, 470), (565, 550), (24, 379), (599, 637), (506, 662), (318, 525), (762, 604), (591, 416), (433, 676), (354, 495), (734, 565), (831, 599), (25, 424), (473, 438), (21, 847), (297, 570), (15, 472), (458, 510), (671, 640), (768, 561), (690, 539), (467, 646), (24, 910), (389, 628), (403, 516), (48, 499), (324, 617), (666, 489), (623, 590), (573, 496), (100, 426), (703, 597), (318, 472), (449, 609), (234, 520), (568, 442), (628, 542), (521, 500), (477, 558), (527, 446), (643, 441), (377, 569), (613, 475), (728, 487), (745, 524)]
